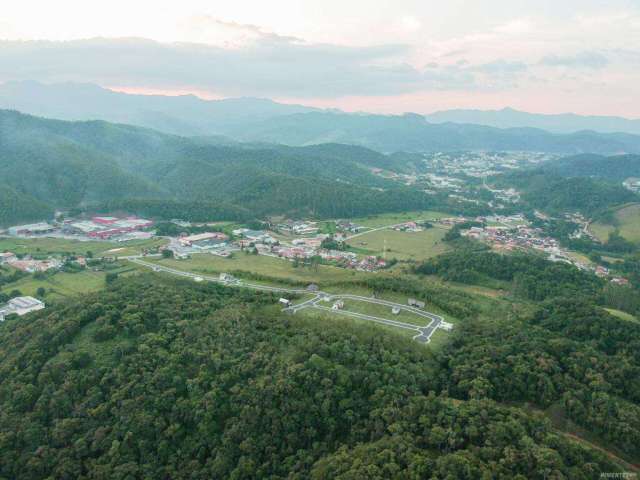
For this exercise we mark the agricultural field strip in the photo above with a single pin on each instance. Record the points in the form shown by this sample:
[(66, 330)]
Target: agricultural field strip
[(423, 336)]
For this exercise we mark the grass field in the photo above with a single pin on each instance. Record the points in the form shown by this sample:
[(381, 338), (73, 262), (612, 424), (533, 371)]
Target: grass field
[(622, 315), (383, 311), (628, 219), (63, 284), (402, 245), (50, 246), (262, 265), (320, 316), (384, 219)]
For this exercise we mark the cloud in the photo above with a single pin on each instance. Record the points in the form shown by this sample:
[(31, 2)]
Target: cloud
[(517, 26), (593, 60), (215, 31), (501, 67), (268, 65)]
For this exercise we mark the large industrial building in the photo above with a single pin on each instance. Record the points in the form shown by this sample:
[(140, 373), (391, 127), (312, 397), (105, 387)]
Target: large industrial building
[(32, 229)]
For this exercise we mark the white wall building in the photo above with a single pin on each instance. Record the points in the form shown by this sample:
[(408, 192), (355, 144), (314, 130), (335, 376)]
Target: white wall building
[(21, 306)]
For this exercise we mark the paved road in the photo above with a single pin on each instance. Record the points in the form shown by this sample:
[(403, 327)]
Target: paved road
[(355, 235), (385, 227), (423, 334)]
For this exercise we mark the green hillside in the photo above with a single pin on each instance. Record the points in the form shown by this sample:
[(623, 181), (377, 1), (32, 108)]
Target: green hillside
[(166, 379), (556, 194), (625, 221), (617, 167), (69, 164)]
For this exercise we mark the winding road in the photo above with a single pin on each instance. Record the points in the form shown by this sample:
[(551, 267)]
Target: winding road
[(423, 334)]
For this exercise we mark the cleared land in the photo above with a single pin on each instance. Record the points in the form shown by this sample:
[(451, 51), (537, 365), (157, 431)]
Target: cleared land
[(275, 268), (628, 223), (50, 246), (622, 315), (402, 245), (383, 311), (382, 220), (63, 284)]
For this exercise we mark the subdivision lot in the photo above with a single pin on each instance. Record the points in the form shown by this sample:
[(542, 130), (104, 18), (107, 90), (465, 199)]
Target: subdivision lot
[(384, 311)]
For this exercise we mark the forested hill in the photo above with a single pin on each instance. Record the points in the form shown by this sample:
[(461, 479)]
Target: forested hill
[(166, 379), (617, 167), (556, 194), (56, 164)]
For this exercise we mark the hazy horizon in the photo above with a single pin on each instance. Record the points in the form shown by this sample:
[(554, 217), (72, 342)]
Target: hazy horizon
[(424, 56)]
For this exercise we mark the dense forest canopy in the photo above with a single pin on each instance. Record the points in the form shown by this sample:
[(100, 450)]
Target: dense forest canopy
[(616, 167), (555, 194), (155, 378)]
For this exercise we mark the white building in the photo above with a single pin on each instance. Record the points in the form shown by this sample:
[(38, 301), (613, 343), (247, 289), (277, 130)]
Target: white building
[(32, 229), (21, 306)]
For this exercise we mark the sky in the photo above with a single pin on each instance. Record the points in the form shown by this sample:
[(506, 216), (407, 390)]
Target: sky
[(543, 56)]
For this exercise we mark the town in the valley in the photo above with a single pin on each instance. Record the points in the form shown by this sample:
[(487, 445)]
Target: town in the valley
[(365, 245)]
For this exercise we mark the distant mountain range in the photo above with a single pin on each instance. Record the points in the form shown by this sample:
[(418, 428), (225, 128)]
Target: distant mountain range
[(181, 115), (412, 133), (261, 120), (558, 123)]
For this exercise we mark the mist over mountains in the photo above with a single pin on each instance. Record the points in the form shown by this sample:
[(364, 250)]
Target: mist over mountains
[(557, 123), (263, 120)]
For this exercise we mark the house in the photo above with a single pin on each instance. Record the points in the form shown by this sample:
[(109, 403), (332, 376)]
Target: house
[(285, 302), (312, 287), (338, 305), (82, 261), (395, 310), (31, 266), (446, 326), (7, 257), (21, 306), (412, 302)]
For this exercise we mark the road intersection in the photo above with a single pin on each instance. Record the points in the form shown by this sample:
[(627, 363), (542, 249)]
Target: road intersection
[(423, 333)]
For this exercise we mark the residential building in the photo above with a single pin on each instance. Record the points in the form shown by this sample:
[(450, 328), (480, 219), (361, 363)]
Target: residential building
[(7, 257), (412, 302)]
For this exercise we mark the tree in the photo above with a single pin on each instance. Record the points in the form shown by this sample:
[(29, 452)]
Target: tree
[(41, 292), (166, 253)]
